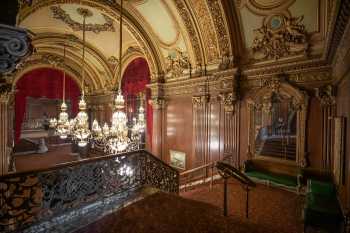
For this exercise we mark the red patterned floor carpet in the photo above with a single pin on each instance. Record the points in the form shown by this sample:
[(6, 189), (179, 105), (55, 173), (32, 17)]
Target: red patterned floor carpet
[(200, 211)]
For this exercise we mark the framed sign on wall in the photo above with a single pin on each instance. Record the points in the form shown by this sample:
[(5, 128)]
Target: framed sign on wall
[(178, 159)]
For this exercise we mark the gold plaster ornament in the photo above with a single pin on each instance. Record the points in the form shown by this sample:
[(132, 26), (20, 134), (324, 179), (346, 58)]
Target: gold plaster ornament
[(282, 37)]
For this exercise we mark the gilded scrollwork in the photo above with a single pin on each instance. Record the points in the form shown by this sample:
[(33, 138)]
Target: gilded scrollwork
[(59, 13), (288, 37)]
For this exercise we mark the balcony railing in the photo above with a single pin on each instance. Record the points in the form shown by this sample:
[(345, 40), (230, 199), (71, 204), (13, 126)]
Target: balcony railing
[(31, 198)]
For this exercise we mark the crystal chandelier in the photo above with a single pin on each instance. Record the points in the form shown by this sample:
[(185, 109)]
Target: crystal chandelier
[(61, 125), (114, 139), (80, 124), (138, 124)]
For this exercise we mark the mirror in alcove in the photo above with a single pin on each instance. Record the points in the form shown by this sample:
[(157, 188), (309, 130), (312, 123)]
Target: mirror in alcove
[(276, 127)]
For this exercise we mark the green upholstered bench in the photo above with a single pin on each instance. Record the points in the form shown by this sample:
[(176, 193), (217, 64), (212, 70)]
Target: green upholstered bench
[(272, 173), (322, 207)]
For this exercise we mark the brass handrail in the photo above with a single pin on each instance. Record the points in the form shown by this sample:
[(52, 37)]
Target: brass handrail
[(188, 175)]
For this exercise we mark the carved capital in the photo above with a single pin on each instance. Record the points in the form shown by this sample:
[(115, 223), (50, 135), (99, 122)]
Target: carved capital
[(228, 100), (199, 101), (14, 45), (326, 95), (158, 103)]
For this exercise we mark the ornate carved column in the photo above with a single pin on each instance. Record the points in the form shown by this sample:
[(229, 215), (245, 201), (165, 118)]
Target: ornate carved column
[(158, 136), (14, 46), (231, 126), (201, 129), (326, 96), (6, 126)]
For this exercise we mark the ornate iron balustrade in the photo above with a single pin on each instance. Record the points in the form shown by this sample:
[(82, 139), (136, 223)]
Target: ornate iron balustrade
[(32, 197)]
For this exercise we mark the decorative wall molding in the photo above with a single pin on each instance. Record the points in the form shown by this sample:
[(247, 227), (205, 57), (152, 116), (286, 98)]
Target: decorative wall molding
[(60, 14), (14, 45)]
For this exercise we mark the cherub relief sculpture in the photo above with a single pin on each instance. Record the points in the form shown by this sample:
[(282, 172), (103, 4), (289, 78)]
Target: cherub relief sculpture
[(289, 38), (176, 63)]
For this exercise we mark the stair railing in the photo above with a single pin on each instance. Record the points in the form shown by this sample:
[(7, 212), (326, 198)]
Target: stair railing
[(32, 197)]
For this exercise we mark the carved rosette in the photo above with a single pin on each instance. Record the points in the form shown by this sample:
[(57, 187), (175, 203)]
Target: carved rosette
[(14, 45)]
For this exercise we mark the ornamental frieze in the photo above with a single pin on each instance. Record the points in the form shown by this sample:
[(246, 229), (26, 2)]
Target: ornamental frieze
[(186, 18), (207, 29), (220, 26)]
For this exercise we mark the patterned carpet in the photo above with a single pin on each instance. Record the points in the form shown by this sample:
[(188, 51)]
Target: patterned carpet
[(200, 211), (271, 210)]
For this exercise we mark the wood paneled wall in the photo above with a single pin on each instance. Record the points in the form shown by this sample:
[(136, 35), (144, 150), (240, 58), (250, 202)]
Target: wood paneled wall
[(343, 110), (207, 128)]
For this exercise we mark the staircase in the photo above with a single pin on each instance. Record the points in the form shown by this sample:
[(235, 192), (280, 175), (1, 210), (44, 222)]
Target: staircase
[(67, 196), (278, 147)]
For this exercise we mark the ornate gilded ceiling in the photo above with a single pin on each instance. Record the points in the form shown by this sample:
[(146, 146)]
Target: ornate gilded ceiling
[(182, 38)]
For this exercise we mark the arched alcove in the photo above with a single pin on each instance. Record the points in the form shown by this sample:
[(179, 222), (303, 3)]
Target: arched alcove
[(44, 83), (135, 78)]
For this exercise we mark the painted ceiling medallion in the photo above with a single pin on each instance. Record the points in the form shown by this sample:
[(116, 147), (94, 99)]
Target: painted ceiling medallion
[(280, 37), (61, 14)]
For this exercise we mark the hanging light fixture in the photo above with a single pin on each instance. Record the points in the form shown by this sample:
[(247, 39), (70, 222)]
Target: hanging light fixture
[(80, 125), (62, 124), (115, 138)]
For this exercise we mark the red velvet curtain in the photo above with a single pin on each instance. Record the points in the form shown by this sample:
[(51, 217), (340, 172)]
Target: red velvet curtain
[(135, 79), (43, 82)]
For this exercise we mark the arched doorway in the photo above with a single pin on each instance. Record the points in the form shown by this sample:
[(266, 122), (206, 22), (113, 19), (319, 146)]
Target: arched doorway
[(135, 78), (42, 88)]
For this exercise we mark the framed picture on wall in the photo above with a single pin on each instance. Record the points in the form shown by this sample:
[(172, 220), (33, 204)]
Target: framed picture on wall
[(339, 147), (178, 159)]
